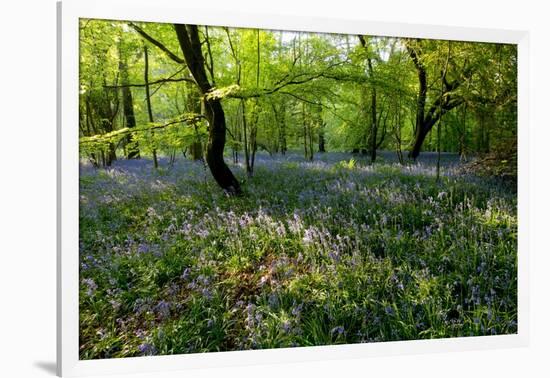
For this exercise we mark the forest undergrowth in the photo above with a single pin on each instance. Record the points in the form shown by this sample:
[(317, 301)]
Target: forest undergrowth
[(330, 251)]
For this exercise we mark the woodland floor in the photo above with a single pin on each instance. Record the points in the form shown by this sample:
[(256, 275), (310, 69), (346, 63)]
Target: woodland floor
[(324, 252)]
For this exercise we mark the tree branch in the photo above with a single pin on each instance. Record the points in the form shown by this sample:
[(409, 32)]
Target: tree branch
[(155, 42), (159, 81), (294, 80), (108, 137), (299, 98)]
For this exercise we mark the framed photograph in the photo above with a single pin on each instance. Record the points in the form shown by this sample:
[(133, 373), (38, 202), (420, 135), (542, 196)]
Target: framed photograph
[(254, 188)]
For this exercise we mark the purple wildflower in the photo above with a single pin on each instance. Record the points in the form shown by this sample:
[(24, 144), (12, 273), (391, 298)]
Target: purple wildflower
[(163, 309), (337, 330), (286, 326), (91, 286), (334, 256), (147, 349), (206, 293), (143, 248), (297, 310), (186, 273), (273, 300)]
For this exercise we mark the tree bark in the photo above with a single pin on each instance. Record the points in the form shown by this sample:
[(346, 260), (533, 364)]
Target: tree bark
[(132, 149), (188, 38), (322, 147), (245, 134), (107, 116), (281, 125), (420, 130), (305, 130), (148, 100), (91, 127), (195, 105), (253, 145), (254, 128)]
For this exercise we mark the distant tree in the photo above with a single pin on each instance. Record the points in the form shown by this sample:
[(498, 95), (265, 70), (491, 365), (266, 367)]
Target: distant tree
[(132, 148), (148, 100)]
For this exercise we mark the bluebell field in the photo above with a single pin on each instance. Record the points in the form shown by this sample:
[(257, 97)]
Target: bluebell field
[(330, 251)]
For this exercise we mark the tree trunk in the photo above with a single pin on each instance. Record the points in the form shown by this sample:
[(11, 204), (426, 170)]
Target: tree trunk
[(245, 134), (238, 79), (310, 142), (322, 147), (420, 129), (254, 148), (419, 138), (374, 123), (463, 133), (304, 124), (398, 131), (214, 149), (445, 102), (148, 100), (188, 38), (91, 128), (196, 106), (132, 149), (107, 116), (440, 111), (254, 128)]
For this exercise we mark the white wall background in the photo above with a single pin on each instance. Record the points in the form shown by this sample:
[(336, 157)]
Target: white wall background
[(27, 186)]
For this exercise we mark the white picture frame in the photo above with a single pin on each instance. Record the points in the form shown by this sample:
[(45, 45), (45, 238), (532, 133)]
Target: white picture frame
[(169, 11)]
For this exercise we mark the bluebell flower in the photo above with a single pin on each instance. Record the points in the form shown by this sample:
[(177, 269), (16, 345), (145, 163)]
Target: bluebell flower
[(91, 286), (147, 349), (206, 293), (273, 300), (163, 309), (250, 308), (143, 248), (286, 326), (297, 310), (337, 330)]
